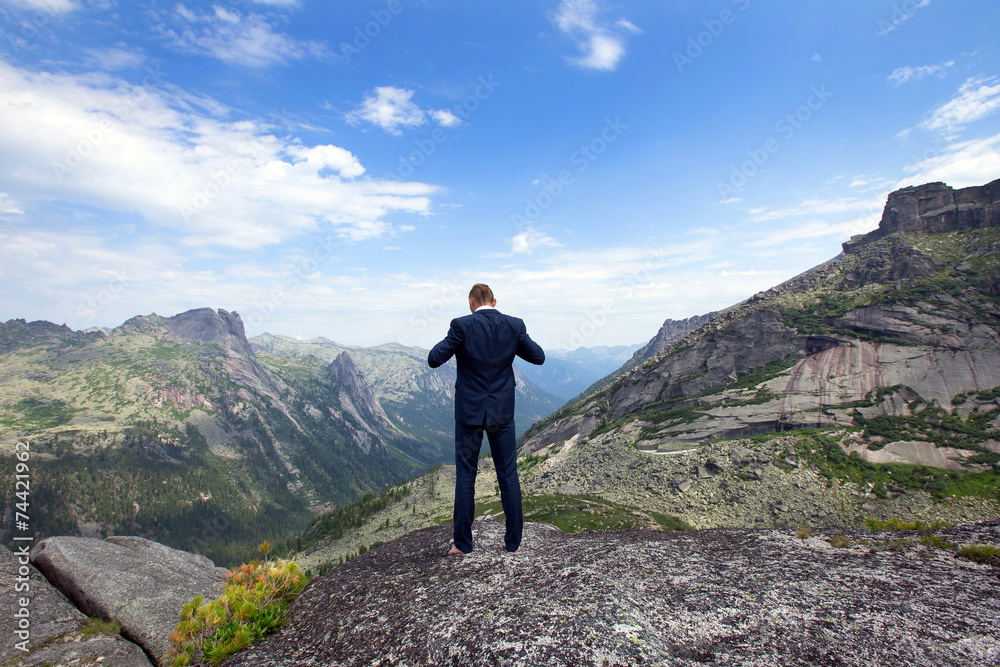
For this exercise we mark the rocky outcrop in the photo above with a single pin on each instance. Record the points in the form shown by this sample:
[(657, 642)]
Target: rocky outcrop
[(359, 395), (53, 629), (934, 208), (670, 332), (747, 597), (141, 585)]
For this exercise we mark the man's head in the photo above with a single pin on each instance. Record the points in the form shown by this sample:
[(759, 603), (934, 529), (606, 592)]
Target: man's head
[(481, 295)]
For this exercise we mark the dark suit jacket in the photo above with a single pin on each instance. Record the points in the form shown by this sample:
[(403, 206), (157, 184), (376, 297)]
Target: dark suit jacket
[(484, 345)]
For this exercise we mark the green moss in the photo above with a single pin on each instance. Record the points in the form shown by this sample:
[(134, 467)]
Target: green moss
[(576, 513), (980, 553)]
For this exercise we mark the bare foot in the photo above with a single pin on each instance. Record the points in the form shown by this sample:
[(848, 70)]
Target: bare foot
[(455, 551)]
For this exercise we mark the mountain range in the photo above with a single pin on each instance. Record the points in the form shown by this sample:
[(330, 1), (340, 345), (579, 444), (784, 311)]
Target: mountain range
[(182, 430), (863, 392)]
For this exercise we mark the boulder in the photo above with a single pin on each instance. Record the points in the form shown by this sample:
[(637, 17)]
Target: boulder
[(722, 597), (53, 634), (140, 584), (111, 651)]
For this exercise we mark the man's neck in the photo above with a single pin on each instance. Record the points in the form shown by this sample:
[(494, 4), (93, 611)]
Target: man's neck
[(484, 307)]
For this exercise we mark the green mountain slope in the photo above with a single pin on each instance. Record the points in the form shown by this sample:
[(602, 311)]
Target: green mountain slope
[(175, 429)]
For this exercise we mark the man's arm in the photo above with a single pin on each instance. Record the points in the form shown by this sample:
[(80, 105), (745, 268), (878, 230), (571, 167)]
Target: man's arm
[(444, 350), (528, 349)]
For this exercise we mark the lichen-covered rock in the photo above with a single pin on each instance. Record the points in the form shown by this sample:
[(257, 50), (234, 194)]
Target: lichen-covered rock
[(646, 598), (140, 584), (52, 633)]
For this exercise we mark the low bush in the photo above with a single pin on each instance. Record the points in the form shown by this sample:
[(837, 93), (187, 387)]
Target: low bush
[(253, 604)]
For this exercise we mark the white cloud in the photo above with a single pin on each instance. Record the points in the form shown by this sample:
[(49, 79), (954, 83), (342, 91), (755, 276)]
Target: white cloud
[(977, 98), (98, 141), (530, 240), (602, 46), (8, 205), (235, 39), (392, 109), (960, 165), (115, 58), (902, 75), (446, 118), (816, 229), (817, 58), (45, 6), (817, 207)]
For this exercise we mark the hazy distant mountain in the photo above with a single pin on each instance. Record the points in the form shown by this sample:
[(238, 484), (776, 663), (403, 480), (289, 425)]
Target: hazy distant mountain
[(567, 373)]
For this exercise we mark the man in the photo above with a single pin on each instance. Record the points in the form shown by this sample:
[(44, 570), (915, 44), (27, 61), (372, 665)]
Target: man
[(484, 345)]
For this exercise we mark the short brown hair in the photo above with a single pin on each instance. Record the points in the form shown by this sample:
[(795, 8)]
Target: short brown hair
[(481, 294)]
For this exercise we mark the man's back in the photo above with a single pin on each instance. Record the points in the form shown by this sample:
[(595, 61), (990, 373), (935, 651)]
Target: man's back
[(484, 345)]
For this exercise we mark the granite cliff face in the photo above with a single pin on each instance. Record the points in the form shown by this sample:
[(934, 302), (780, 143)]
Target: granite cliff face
[(898, 339)]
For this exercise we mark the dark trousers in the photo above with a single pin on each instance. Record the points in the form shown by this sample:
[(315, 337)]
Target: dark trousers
[(503, 445)]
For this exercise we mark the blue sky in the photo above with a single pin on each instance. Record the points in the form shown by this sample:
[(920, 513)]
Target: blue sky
[(349, 169)]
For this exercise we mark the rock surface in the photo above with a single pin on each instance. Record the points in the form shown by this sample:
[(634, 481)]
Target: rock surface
[(54, 634), (646, 598), (140, 584)]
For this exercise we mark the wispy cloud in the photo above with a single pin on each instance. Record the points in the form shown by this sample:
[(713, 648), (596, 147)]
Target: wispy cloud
[(907, 73), (603, 45), (816, 207), (529, 240), (393, 109), (45, 6), (248, 40), (115, 58), (977, 98), (98, 141), (812, 229), (961, 164)]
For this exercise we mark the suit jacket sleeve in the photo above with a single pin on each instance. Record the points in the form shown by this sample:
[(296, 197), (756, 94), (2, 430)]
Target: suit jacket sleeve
[(528, 349), (444, 350)]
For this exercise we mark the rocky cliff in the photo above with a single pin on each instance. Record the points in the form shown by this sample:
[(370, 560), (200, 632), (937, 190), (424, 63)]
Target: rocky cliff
[(896, 339)]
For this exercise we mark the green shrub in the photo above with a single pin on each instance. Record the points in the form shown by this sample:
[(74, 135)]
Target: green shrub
[(253, 604), (840, 541), (979, 552)]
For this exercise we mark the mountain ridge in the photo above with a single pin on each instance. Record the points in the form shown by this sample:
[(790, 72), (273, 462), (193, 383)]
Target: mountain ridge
[(756, 367)]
